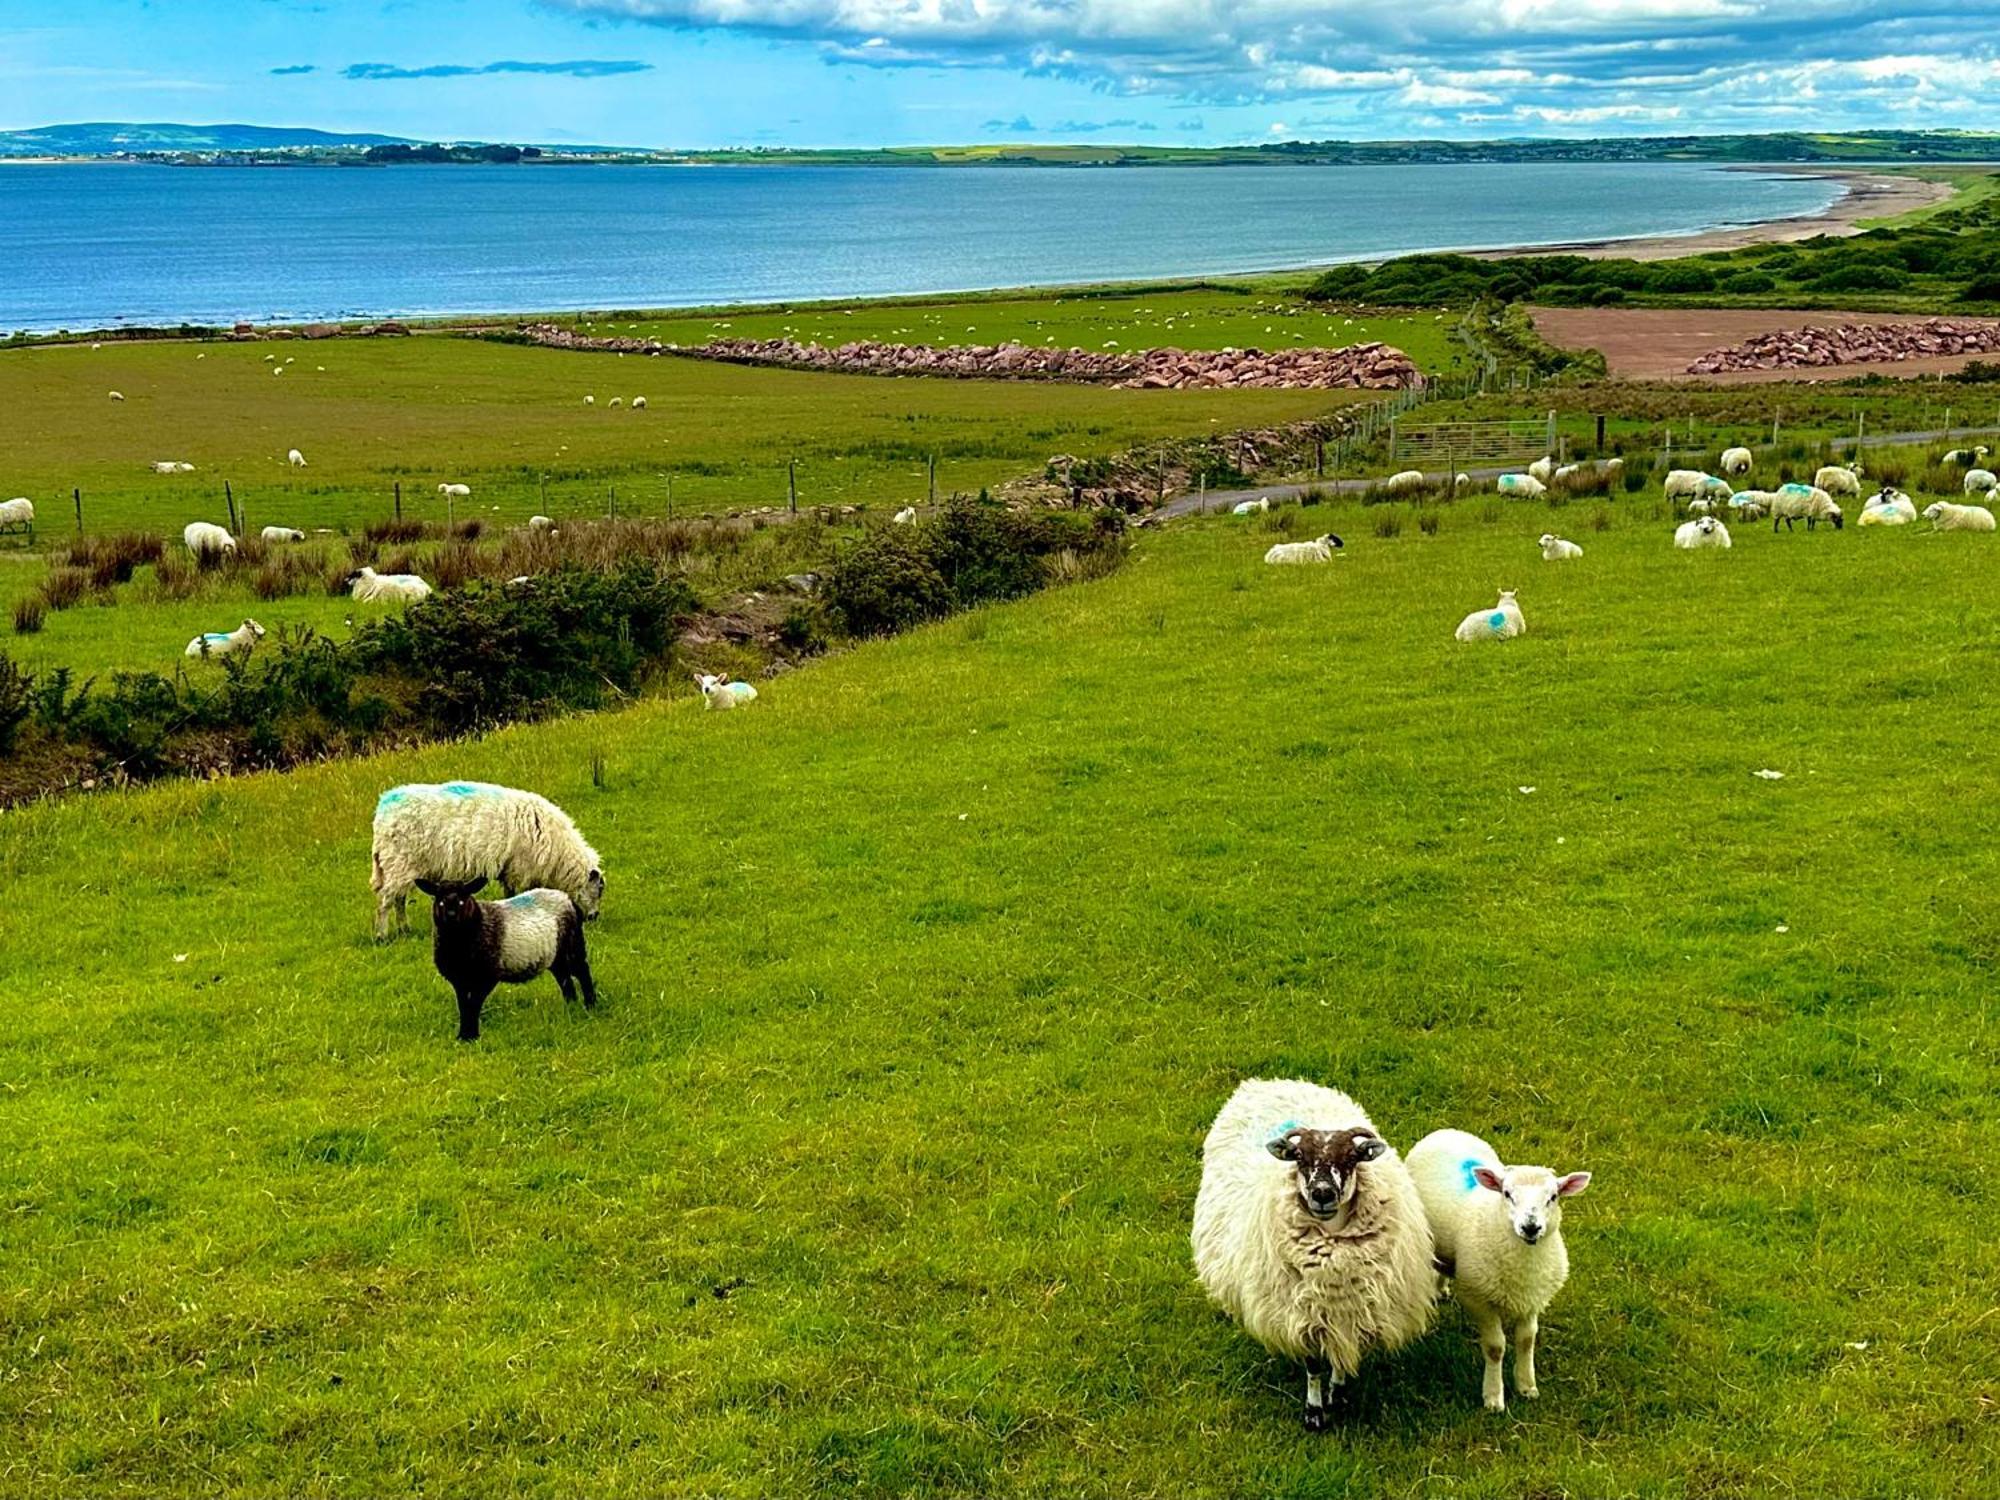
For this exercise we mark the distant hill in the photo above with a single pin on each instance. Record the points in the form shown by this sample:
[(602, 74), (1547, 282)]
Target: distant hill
[(110, 139)]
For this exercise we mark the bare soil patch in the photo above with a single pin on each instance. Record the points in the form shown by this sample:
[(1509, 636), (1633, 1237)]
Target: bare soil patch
[(1660, 343)]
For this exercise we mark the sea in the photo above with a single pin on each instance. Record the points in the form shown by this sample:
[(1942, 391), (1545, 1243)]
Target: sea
[(103, 245)]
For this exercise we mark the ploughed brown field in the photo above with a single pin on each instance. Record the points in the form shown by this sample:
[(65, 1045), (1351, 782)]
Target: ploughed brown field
[(1660, 343)]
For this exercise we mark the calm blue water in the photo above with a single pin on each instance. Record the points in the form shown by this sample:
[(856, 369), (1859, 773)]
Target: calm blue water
[(87, 246)]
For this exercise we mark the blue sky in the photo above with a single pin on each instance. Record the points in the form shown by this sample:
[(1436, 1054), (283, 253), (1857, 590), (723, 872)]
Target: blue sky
[(882, 72)]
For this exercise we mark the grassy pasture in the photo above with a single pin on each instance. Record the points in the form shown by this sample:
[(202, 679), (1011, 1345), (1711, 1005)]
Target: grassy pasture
[(923, 980)]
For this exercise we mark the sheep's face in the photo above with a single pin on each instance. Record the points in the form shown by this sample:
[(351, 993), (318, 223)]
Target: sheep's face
[(1706, 526), (1833, 514), (1933, 511), (1548, 537), (256, 630), (1330, 540), (1533, 1196), (452, 904), (1326, 1162), (706, 682), (591, 898)]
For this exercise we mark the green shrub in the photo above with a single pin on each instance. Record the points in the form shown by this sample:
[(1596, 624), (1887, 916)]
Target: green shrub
[(28, 614), (885, 582), (1683, 276), (1747, 281), (1607, 296)]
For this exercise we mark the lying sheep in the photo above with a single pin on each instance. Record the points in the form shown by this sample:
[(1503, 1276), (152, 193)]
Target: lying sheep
[(238, 642), (1750, 504), (1527, 486), (1249, 507), (541, 523), (1403, 483), (1497, 1232), (1806, 502), (1889, 508), (1702, 507), (457, 831), (1944, 516), (282, 534), (1981, 481), (905, 516), (1555, 549), (720, 692), (17, 514), (1692, 484), (1502, 622), (1309, 1233), (1839, 480), (206, 540), (1319, 550), (455, 491), (1703, 531), (1736, 462), (479, 945), (366, 586)]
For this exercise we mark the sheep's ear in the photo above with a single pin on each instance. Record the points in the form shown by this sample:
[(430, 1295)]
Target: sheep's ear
[(1368, 1147), (1285, 1147), (1490, 1179), (428, 887), (1573, 1184)]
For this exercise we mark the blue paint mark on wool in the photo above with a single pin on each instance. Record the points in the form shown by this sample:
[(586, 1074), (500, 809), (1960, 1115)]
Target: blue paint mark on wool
[(214, 635), (526, 898), (391, 797), (1497, 620), (463, 788), (1467, 1166)]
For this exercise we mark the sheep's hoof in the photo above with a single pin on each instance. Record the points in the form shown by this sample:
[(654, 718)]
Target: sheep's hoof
[(1496, 1403), (1527, 1392), (1315, 1419)]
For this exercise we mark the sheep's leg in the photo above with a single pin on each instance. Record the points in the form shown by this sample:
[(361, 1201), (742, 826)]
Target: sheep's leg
[(471, 1000), (1320, 1380), (1493, 1341), (574, 960), (383, 901), (1524, 1356)]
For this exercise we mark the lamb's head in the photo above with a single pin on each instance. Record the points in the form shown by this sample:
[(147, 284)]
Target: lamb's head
[(453, 903), (1330, 540), (1548, 537), (1533, 1196), (707, 682), (1506, 600), (1326, 1163), (256, 630)]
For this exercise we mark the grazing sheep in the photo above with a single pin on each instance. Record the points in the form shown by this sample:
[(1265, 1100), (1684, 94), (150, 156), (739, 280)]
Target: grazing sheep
[(1806, 502), (1543, 468), (1309, 1233), (1702, 507), (1555, 549), (616, 401), (17, 514), (205, 539), (1703, 531), (1735, 462), (237, 642), (541, 523), (296, 459), (1249, 507), (638, 403), (1403, 483), (720, 692), (282, 534), (1945, 516), (1692, 484), (1527, 486), (480, 945), (472, 830), (1564, 474), (1497, 1232), (1319, 550), (117, 395), (906, 515), (366, 586), (1839, 480), (1502, 622), (590, 401), (456, 491), (1889, 508), (1981, 481), (1965, 458), (1750, 504)]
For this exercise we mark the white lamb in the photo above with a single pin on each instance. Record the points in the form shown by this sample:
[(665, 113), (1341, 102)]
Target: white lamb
[(239, 641), (206, 539), (1565, 473), (1803, 502), (20, 511), (282, 534), (1750, 504), (1945, 516), (1889, 508), (1703, 531), (638, 403), (590, 401), (473, 830), (1525, 485), (117, 395), (1498, 1234), (1543, 468), (1404, 482), (906, 515), (1249, 507), (541, 523), (296, 459), (1701, 507), (366, 586), (1840, 480), (1318, 550), (1692, 484), (720, 692), (1502, 622), (1981, 481), (1555, 549), (456, 491), (1736, 462), (1309, 1233)]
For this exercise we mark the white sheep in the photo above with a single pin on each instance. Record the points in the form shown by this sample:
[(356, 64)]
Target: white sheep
[(296, 459), (117, 395), (1543, 468), (1736, 462), (473, 830), (18, 513), (590, 401), (1965, 458), (1403, 483), (1555, 549), (1309, 1233), (1564, 474), (1889, 508), (1525, 485), (1702, 532), (616, 401), (456, 491), (366, 586), (1613, 467), (206, 539), (1945, 516), (1806, 502), (906, 515), (165, 466), (1750, 504), (282, 534), (1318, 550), (720, 692), (1249, 507), (1981, 481), (1701, 506), (1839, 480), (541, 523), (239, 641), (1692, 484), (1502, 622), (638, 403), (1497, 1232)]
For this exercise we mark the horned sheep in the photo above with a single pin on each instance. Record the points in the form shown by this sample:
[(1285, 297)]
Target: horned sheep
[(1309, 1233)]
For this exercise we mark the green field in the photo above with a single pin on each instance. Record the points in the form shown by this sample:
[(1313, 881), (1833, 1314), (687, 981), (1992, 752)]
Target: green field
[(922, 981)]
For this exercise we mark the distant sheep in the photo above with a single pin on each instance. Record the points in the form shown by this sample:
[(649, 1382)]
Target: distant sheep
[(906, 515), (1981, 481), (1803, 502), (1945, 516), (1889, 508), (720, 692), (237, 642), (1543, 468), (616, 401), (541, 523), (1692, 484), (456, 491), (1555, 549), (1249, 507), (1700, 533), (117, 395), (1840, 480), (473, 830), (296, 459), (1750, 504), (1403, 483), (1527, 486), (205, 539), (638, 403), (1319, 550), (1735, 462), (1502, 622), (590, 401), (366, 586), (282, 534), (1965, 458), (17, 514)]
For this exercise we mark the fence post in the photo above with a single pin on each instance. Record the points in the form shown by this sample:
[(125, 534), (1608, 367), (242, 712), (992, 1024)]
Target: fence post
[(78, 496), (792, 483), (399, 500), (611, 502), (230, 497), (933, 479), (670, 497), (1201, 491), (1600, 433)]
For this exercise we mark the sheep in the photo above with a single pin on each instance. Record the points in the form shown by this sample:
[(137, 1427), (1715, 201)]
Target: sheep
[(1502, 622), (1524, 485), (616, 401), (1497, 1232), (1564, 474), (1750, 504), (17, 514), (906, 515), (479, 945), (456, 491), (366, 586), (165, 466), (1839, 480), (1889, 508), (1702, 507), (1803, 501), (282, 534), (1404, 482), (205, 539), (1612, 467), (720, 692), (1309, 1233), (1555, 549), (1735, 462), (1966, 458), (1320, 549), (473, 830), (1981, 481), (117, 395), (1944, 516), (805, 583), (1249, 507), (1543, 468), (638, 403), (541, 523), (1702, 532), (296, 459), (1692, 484), (238, 642), (590, 401)]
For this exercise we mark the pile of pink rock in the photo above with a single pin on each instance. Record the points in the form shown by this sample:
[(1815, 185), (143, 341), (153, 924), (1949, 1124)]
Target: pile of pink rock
[(1852, 344)]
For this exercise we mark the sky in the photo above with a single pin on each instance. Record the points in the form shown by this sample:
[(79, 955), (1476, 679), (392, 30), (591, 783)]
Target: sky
[(708, 73)]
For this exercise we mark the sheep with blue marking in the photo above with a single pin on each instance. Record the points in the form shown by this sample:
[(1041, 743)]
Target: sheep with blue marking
[(1497, 1233), (215, 645), (1684, 485), (1502, 622), (1890, 507), (455, 831), (720, 692), (1803, 502), (1525, 486)]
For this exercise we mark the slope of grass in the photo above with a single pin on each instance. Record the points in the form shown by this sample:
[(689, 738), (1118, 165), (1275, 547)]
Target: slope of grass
[(922, 981)]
